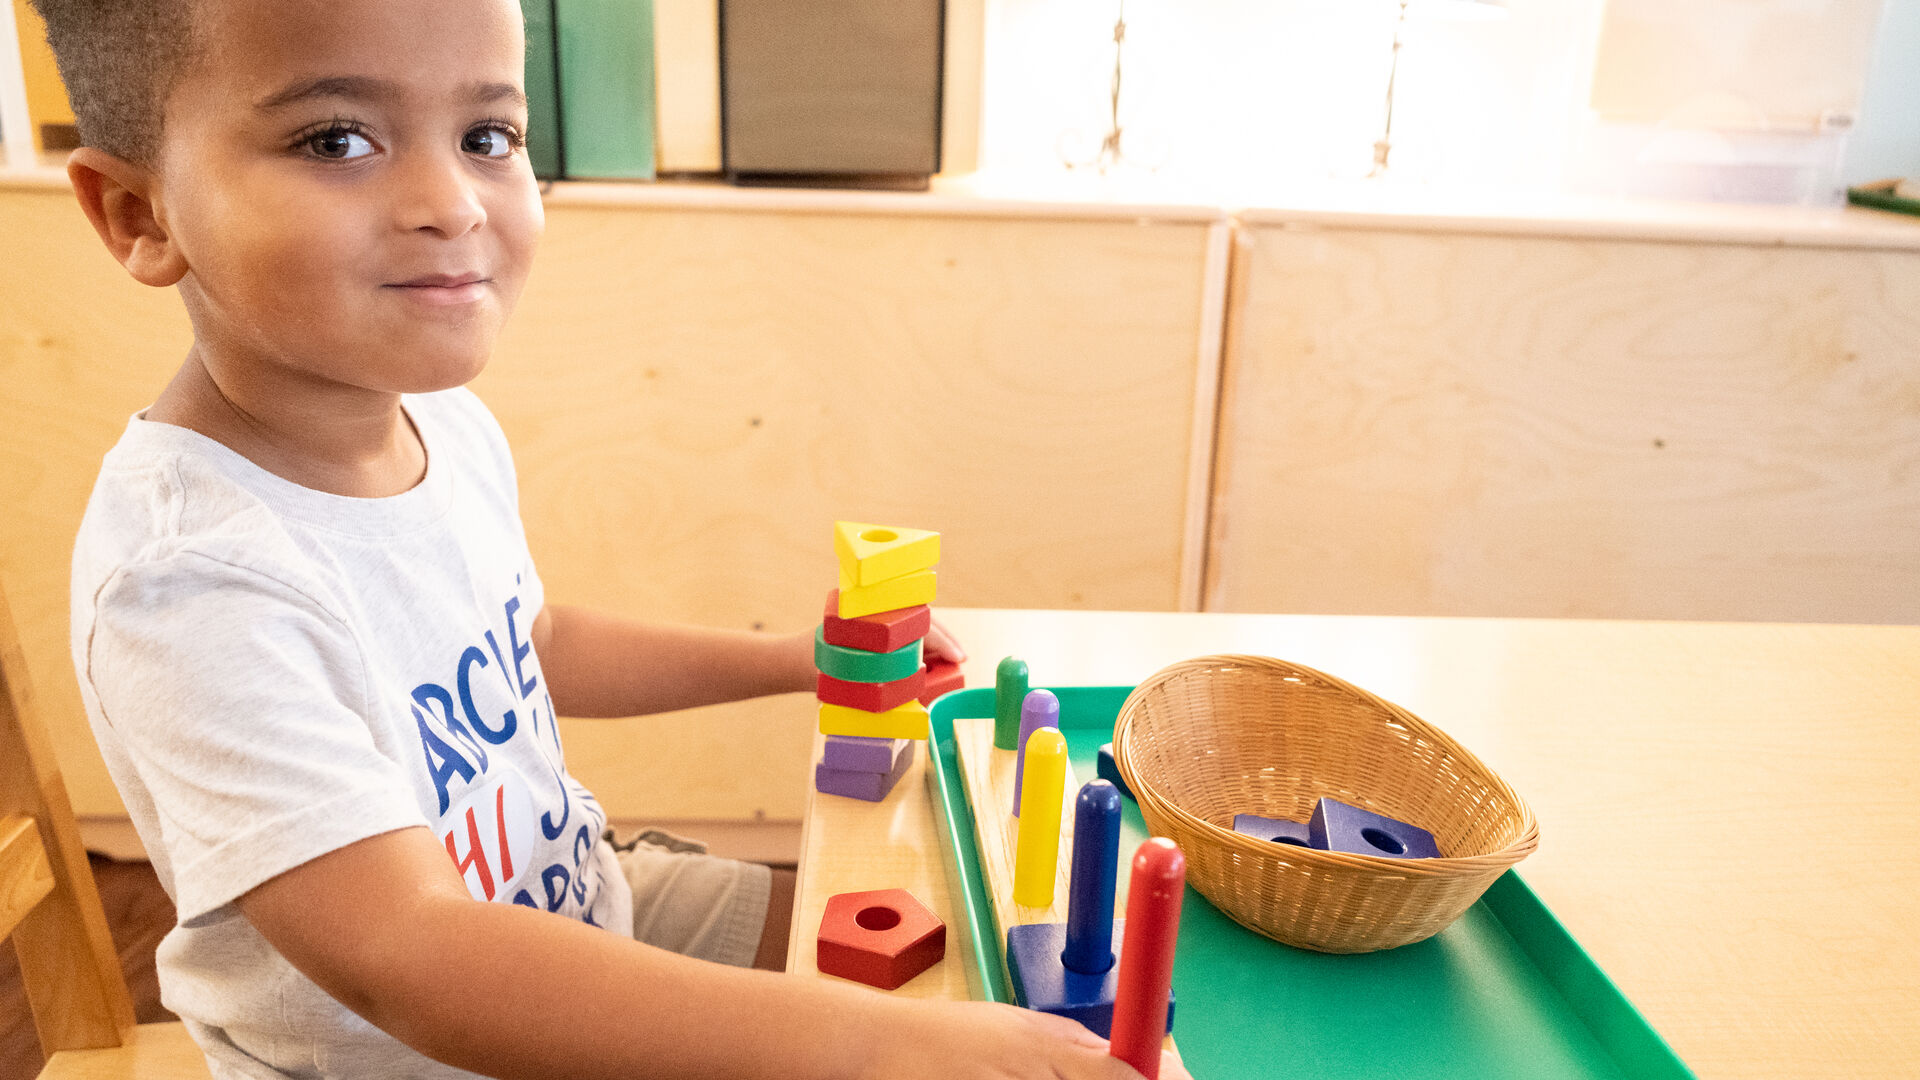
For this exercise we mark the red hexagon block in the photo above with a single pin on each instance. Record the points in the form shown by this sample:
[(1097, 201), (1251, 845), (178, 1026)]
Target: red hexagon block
[(881, 938)]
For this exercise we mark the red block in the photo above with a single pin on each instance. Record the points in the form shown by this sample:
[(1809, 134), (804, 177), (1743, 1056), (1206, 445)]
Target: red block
[(881, 938), (943, 676), (883, 631), (871, 696)]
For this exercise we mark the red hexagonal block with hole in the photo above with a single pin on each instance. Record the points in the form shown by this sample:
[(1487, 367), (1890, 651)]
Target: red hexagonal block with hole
[(881, 938)]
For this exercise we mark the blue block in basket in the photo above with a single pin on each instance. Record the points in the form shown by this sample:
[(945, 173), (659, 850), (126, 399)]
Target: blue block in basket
[(1335, 826), (1109, 770), (1041, 982), (1278, 830)]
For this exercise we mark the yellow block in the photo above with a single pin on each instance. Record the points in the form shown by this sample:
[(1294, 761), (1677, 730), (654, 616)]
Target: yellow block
[(907, 721), (871, 554), (908, 591), (1041, 788)]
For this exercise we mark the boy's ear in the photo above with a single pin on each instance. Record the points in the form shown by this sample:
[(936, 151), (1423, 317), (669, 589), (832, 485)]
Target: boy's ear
[(120, 198)]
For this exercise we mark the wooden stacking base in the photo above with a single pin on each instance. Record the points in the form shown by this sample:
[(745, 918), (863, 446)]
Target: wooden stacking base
[(988, 775)]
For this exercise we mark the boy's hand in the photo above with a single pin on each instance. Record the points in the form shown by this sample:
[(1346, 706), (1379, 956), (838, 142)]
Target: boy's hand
[(941, 645), (982, 1041)]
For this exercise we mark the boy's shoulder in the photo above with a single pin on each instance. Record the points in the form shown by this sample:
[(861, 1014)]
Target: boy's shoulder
[(166, 494)]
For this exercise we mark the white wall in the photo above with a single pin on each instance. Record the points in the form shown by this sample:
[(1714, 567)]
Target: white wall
[(1887, 142), (1240, 100)]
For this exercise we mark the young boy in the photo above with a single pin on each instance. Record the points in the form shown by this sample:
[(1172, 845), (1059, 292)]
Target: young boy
[(309, 635)]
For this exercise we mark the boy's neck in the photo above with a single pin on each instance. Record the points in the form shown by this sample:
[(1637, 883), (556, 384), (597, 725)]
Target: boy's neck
[(337, 439)]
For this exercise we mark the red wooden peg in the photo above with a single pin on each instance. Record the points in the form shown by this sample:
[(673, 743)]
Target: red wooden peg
[(1146, 954)]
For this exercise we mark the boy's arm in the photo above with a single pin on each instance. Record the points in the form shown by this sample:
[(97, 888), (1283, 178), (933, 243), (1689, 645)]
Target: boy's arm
[(598, 665), (385, 925)]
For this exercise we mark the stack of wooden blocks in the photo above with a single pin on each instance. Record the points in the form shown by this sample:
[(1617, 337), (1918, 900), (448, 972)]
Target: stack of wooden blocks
[(874, 683)]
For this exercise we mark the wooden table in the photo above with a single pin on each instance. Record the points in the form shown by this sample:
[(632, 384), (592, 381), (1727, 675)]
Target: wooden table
[(1730, 813)]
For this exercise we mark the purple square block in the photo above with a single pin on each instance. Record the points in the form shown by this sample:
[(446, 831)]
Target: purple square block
[(870, 786), (1278, 830), (1335, 826), (856, 753)]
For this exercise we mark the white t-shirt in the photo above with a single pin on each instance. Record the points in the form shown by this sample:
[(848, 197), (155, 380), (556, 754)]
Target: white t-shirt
[(273, 673)]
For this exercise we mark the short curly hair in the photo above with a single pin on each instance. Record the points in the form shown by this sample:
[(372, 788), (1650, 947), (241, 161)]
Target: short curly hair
[(120, 60)]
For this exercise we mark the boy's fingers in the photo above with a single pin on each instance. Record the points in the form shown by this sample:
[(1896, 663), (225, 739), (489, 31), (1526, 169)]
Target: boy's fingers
[(942, 644)]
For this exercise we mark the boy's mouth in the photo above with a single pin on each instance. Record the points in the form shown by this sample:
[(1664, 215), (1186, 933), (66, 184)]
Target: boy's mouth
[(443, 289)]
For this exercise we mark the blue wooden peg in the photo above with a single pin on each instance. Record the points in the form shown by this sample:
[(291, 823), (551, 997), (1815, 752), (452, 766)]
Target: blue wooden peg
[(1096, 857)]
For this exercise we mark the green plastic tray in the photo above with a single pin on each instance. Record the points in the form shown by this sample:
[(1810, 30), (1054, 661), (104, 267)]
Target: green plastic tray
[(1503, 992)]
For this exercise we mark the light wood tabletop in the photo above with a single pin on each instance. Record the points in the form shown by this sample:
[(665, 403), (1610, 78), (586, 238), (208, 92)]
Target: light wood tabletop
[(1728, 811)]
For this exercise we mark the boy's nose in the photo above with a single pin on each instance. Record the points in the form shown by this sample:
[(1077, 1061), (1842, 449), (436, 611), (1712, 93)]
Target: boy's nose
[(439, 197)]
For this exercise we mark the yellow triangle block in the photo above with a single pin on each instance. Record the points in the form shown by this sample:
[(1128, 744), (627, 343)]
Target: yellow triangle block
[(871, 554), (908, 721), (890, 595)]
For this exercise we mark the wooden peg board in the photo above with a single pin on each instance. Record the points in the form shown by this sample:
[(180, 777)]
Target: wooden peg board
[(988, 775)]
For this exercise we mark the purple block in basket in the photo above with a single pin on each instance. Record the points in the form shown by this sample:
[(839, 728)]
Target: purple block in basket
[(871, 786), (1335, 826), (856, 753), (1109, 770), (1278, 830)]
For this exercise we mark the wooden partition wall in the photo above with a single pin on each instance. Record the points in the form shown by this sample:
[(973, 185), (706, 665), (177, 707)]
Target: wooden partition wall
[(694, 395), (1414, 418), (1453, 422)]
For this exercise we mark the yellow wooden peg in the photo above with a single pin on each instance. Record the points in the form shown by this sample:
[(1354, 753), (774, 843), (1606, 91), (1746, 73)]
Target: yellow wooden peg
[(908, 721), (871, 554), (1037, 854), (890, 595)]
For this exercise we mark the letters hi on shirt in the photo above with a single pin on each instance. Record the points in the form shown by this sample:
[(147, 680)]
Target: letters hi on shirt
[(517, 827)]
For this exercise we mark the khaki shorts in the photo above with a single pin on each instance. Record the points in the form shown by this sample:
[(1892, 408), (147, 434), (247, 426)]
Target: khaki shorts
[(692, 903)]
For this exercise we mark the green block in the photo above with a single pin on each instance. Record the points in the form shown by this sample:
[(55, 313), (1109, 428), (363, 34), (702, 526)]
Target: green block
[(858, 665), (606, 87), (543, 90)]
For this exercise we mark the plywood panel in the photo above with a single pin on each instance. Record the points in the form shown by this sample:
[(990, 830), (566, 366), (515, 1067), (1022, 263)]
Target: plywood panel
[(82, 347), (1487, 425), (693, 398), (692, 414)]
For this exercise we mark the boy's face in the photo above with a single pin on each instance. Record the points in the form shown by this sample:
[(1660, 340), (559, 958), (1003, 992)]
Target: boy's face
[(346, 183)]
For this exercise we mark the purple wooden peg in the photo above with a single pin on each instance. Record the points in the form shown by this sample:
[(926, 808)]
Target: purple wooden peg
[(1039, 709)]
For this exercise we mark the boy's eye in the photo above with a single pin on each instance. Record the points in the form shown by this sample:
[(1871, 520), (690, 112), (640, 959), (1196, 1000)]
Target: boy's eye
[(493, 141), (339, 144)]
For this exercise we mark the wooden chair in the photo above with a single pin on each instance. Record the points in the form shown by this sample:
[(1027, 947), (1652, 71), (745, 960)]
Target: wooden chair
[(50, 907)]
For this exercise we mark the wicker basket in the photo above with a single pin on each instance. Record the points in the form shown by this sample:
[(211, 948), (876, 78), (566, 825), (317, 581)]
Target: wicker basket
[(1209, 738)]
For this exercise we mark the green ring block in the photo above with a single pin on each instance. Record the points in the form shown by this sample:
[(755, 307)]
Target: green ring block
[(856, 665)]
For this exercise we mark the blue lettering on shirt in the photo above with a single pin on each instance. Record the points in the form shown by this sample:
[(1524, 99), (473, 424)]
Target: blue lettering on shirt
[(456, 730), (462, 682), (520, 652)]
